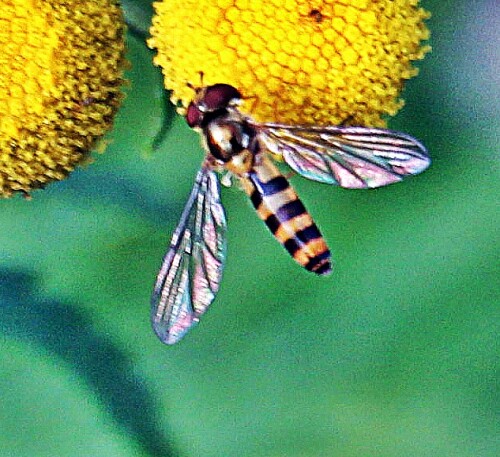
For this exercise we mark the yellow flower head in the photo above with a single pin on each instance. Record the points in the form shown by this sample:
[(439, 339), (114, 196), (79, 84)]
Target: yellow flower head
[(296, 61), (61, 65)]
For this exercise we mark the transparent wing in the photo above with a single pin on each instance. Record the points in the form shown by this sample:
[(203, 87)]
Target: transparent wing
[(191, 271), (352, 157)]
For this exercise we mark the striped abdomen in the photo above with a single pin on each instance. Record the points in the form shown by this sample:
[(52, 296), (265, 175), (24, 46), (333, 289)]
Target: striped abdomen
[(279, 207)]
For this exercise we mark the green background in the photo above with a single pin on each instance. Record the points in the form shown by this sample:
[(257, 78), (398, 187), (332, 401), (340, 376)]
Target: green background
[(392, 355)]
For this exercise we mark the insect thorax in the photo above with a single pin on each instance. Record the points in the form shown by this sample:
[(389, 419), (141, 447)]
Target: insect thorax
[(230, 139)]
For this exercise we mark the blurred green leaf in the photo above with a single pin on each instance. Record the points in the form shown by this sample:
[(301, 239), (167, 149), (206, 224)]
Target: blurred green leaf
[(46, 411), (138, 15), (68, 336)]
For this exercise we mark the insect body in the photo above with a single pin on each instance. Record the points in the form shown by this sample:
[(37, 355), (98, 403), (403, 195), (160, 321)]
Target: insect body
[(352, 157)]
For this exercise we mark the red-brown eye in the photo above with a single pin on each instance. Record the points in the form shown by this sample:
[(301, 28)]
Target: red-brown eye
[(219, 96), (193, 116)]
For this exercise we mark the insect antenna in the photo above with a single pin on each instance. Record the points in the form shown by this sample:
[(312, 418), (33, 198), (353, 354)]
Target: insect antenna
[(196, 88)]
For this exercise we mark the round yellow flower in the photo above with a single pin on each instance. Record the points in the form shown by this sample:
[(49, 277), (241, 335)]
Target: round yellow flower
[(297, 62), (61, 64)]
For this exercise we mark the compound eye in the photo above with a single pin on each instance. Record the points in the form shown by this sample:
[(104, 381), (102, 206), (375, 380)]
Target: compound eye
[(193, 115), (219, 96)]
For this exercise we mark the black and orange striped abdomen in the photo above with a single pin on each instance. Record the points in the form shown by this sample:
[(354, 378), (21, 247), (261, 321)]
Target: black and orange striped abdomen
[(279, 207)]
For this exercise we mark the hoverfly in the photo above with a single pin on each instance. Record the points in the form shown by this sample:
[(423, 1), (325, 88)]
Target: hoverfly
[(351, 157)]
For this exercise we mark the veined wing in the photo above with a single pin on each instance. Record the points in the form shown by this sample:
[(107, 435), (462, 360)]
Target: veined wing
[(191, 271), (352, 157)]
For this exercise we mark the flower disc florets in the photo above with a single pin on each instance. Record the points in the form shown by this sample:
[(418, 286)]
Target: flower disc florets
[(61, 65), (298, 62)]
